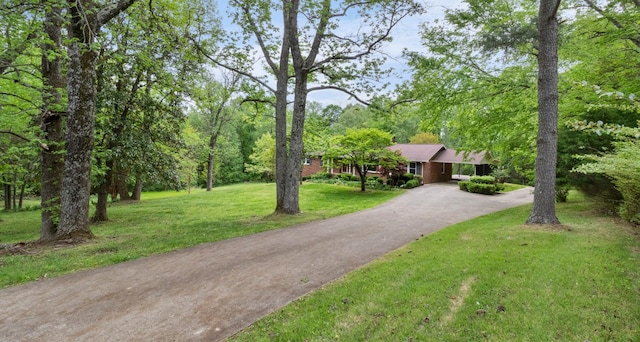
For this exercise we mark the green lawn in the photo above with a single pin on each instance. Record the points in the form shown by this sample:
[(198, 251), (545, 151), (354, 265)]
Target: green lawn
[(166, 221), (490, 278)]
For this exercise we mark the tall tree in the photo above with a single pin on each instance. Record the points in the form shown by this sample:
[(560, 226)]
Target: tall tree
[(141, 79), (213, 108), (477, 83), (51, 120), (86, 19), (314, 43), (544, 205)]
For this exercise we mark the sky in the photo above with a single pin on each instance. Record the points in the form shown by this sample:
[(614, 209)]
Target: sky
[(405, 36)]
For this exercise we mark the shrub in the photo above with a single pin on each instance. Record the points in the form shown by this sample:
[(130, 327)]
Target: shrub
[(483, 179), (321, 175), (561, 194), (345, 177), (482, 188), (464, 185), (412, 184), (407, 177), (501, 175), (500, 186)]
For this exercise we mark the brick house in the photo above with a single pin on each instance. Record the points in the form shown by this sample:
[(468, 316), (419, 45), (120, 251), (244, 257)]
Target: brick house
[(434, 162)]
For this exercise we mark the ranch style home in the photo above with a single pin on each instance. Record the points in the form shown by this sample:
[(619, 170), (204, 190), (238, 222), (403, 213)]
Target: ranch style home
[(434, 162)]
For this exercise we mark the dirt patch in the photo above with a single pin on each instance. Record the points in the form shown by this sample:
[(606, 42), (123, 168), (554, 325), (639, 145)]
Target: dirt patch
[(457, 301), (34, 247)]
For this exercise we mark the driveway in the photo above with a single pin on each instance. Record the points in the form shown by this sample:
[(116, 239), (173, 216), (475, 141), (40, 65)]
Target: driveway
[(211, 291)]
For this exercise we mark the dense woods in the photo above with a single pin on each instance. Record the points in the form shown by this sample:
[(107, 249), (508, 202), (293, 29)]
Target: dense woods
[(101, 100)]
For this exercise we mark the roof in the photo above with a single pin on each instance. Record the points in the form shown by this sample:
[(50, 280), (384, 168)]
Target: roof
[(438, 153), (418, 152), (452, 156)]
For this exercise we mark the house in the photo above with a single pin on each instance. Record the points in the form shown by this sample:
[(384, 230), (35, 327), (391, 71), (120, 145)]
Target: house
[(434, 162)]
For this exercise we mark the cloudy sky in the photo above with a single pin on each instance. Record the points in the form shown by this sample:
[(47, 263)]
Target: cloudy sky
[(405, 36)]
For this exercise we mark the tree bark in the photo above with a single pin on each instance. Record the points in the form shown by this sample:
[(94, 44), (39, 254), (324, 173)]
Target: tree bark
[(137, 189), (282, 75), (51, 126), (544, 209), (100, 215), (210, 161), (123, 189), (7, 196)]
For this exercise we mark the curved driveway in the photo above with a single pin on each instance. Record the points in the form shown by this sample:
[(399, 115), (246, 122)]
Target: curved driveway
[(211, 291)]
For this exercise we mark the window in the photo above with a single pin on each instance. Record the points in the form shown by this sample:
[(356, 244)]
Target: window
[(444, 168), (307, 160), (415, 168)]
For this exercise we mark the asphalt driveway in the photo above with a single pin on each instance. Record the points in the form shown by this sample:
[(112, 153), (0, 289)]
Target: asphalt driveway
[(209, 292)]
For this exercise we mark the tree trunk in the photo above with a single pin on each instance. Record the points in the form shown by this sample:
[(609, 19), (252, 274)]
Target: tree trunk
[(294, 163), (123, 189), (81, 78), (544, 209), (100, 215), (15, 190), (282, 75), (51, 154), (137, 189), (7, 196), (21, 196), (210, 161)]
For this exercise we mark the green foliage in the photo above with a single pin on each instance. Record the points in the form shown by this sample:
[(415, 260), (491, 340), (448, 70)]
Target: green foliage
[(412, 184), (321, 175), (263, 158), (501, 175), (483, 179), (464, 185), (424, 138), (481, 184), (622, 164), (364, 148), (482, 188)]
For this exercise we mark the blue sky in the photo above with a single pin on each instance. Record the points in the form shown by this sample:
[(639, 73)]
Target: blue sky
[(405, 36)]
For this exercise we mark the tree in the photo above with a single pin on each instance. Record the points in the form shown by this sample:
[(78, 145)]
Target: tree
[(319, 55), (86, 19), (141, 81), (365, 149), (544, 205), (263, 158), (477, 82), (213, 107), (51, 120), (424, 138)]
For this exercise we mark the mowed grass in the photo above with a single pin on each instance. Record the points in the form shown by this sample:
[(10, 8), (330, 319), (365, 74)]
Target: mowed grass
[(491, 278), (166, 221)]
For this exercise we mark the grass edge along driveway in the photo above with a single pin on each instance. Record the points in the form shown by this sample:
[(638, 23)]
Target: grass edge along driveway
[(491, 278), (170, 220)]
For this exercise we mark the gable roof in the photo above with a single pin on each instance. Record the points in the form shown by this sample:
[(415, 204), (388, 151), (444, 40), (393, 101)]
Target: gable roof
[(438, 153), (418, 152), (452, 156)]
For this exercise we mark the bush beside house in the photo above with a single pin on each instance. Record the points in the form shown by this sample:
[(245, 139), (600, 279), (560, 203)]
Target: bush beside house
[(485, 185)]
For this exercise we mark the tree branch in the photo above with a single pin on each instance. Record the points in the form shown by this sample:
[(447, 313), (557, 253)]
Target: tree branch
[(613, 20), (15, 135), (228, 67), (350, 93), (110, 11)]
